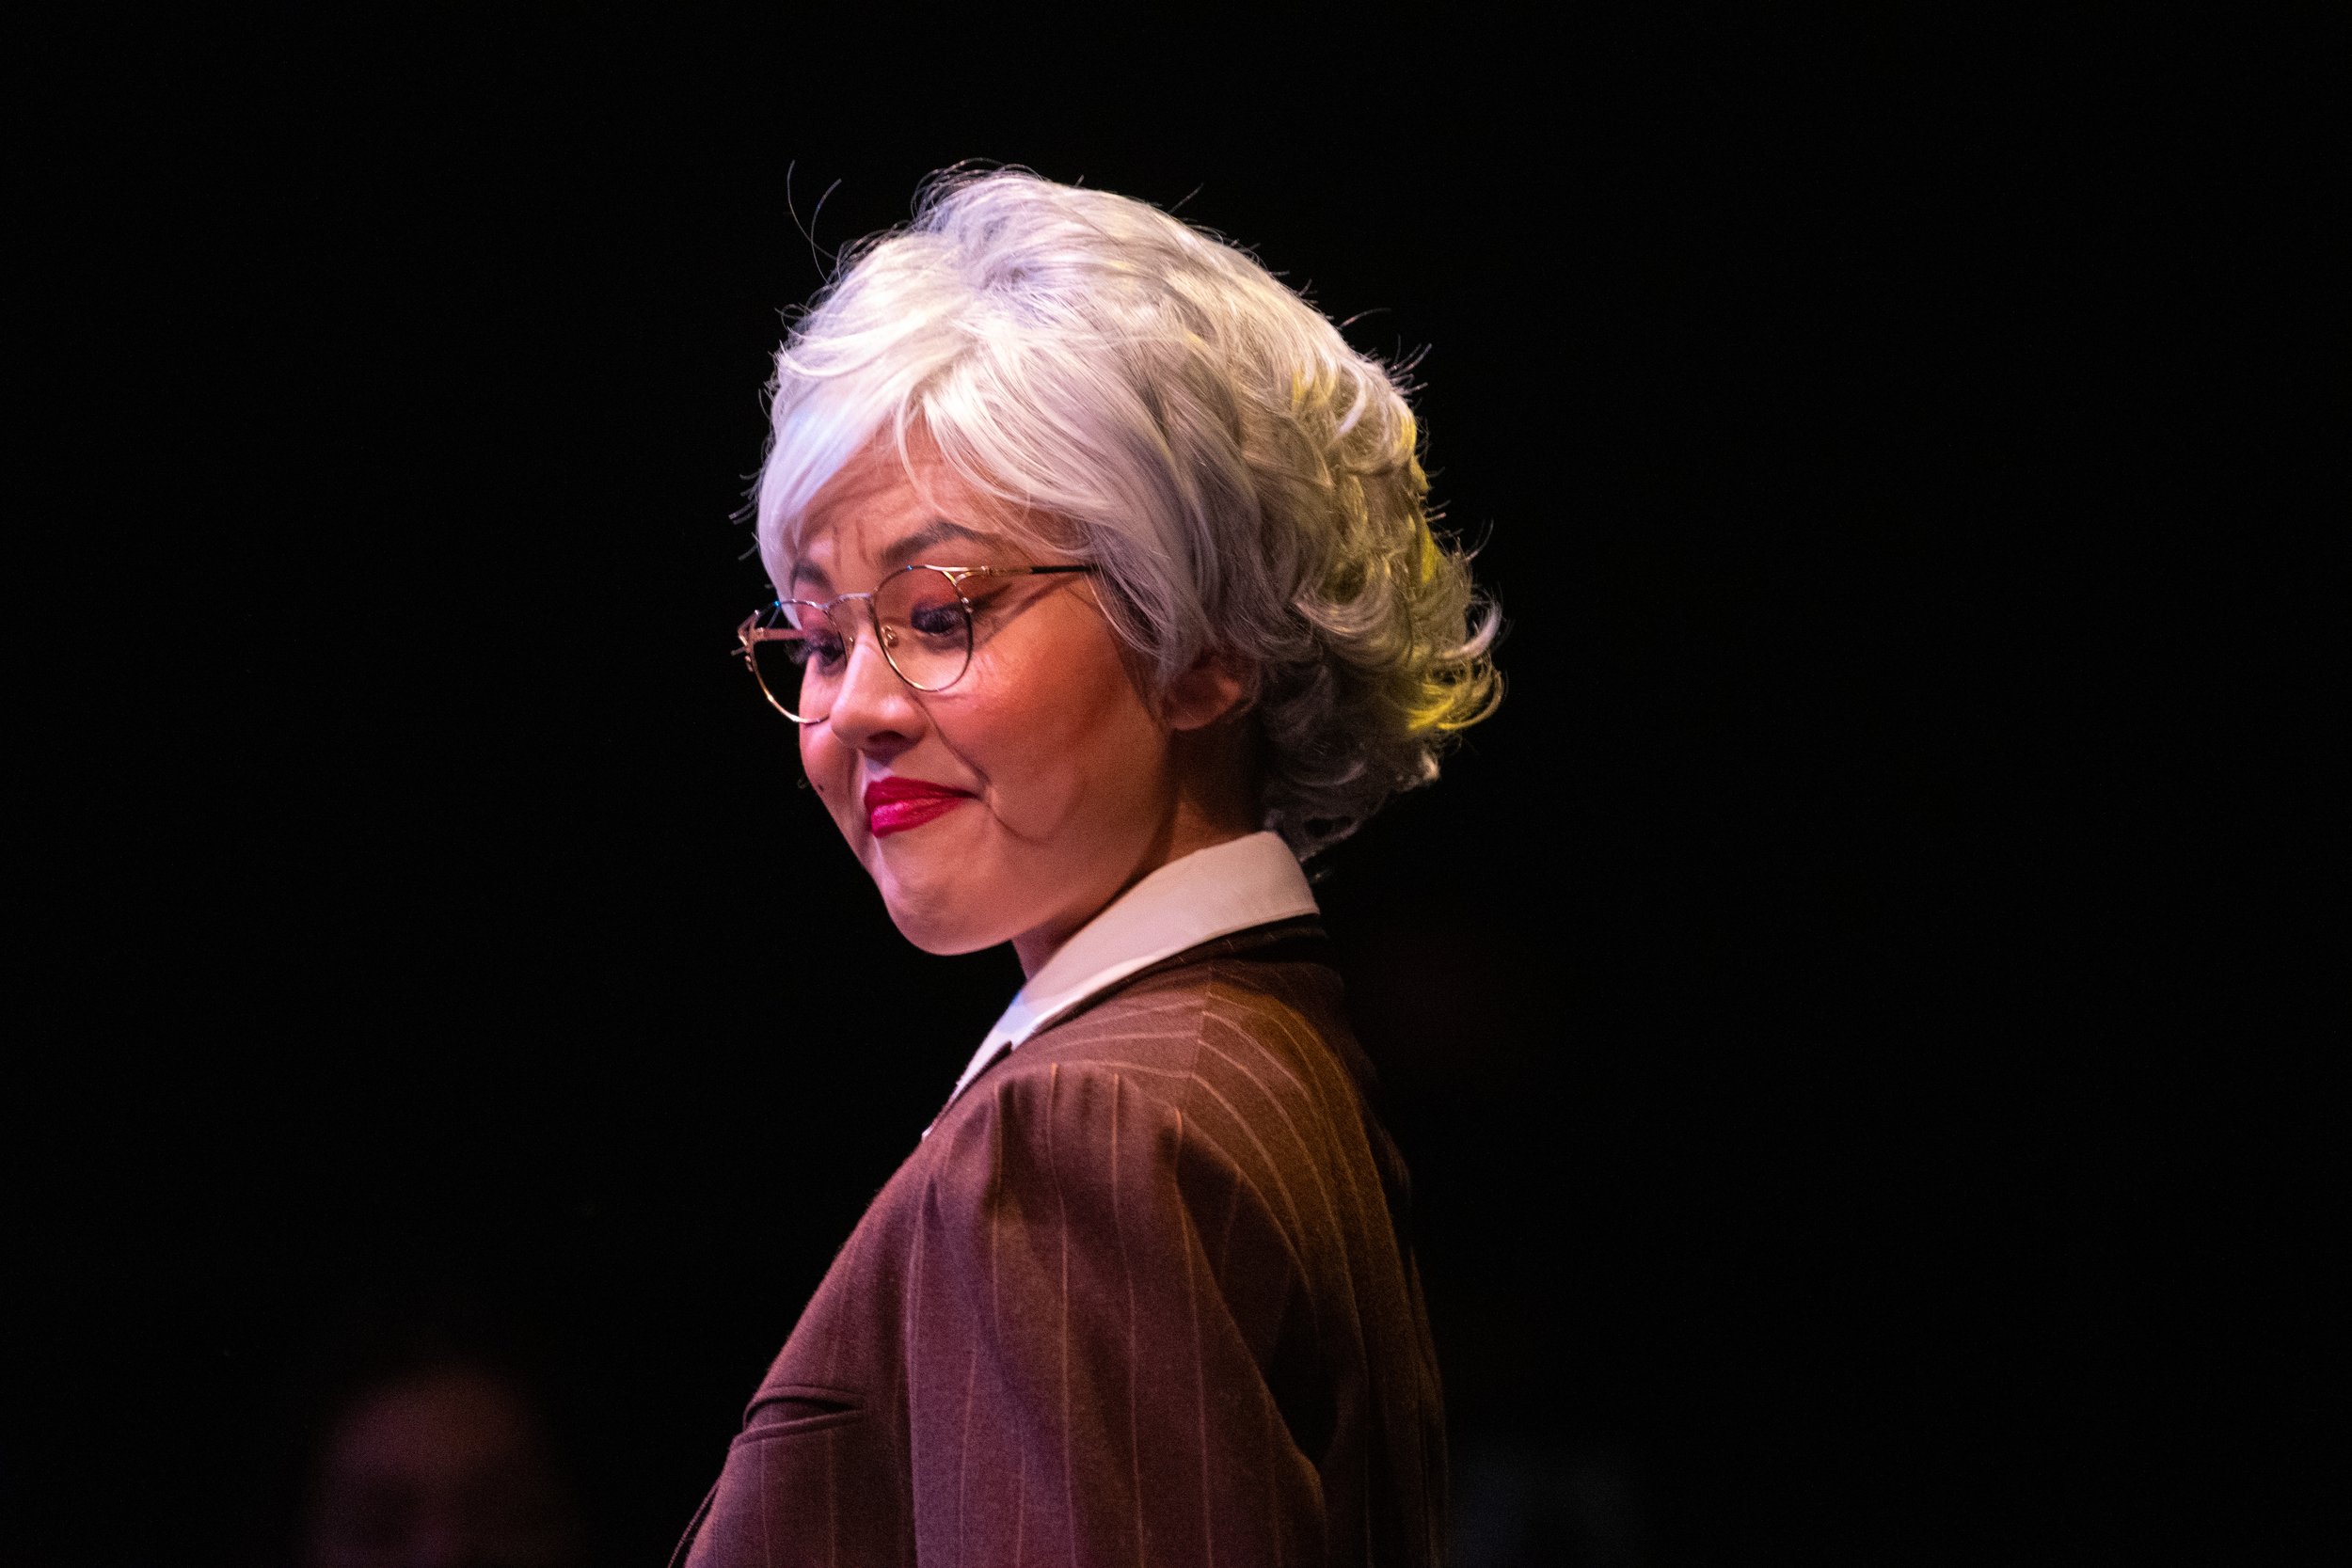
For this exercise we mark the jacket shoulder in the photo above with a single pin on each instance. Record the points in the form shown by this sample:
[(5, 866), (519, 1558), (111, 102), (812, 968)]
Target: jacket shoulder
[(1214, 1028)]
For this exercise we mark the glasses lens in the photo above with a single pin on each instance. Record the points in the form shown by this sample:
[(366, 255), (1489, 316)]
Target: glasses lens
[(798, 656), (926, 627)]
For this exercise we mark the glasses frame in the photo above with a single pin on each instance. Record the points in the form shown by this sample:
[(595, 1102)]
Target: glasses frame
[(751, 633)]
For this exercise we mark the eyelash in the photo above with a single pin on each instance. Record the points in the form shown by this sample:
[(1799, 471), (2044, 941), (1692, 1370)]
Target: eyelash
[(826, 655), (806, 653)]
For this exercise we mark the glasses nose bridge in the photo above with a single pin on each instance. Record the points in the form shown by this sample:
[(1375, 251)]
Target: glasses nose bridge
[(864, 601), (855, 691), (822, 656), (872, 602)]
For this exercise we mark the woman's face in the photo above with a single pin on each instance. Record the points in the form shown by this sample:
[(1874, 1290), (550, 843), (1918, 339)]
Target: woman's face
[(1015, 804)]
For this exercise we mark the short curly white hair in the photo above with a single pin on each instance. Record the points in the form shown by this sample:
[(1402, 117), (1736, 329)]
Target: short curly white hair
[(1246, 481)]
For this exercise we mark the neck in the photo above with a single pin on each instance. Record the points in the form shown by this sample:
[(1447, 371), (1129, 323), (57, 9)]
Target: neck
[(1196, 818)]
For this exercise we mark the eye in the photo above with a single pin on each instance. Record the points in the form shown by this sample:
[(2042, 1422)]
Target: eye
[(932, 609), (937, 620), (822, 650)]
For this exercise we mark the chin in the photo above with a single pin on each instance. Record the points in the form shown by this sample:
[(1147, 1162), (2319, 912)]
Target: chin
[(942, 939), (941, 925)]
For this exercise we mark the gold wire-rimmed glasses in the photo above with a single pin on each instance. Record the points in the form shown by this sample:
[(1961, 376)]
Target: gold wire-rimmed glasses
[(922, 616)]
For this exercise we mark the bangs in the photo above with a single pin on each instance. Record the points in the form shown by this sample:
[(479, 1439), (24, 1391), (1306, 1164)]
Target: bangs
[(823, 425), (826, 424)]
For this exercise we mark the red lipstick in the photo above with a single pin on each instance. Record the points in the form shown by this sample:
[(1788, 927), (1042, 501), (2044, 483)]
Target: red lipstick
[(894, 805)]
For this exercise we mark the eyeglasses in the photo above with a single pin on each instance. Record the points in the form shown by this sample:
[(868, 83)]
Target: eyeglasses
[(922, 616)]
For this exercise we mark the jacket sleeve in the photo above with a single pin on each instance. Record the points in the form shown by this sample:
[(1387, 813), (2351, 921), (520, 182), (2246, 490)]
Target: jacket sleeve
[(1100, 1302)]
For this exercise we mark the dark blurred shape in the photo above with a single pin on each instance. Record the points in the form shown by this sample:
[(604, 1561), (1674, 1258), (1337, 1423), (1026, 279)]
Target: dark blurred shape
[(1518, 1505), (449, 1466), (424, 1437)]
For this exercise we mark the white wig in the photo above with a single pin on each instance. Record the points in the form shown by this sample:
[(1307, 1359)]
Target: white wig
[(1246, 482)]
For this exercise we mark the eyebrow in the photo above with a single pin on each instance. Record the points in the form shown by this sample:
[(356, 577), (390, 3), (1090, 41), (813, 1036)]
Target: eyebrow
[(938, 531)]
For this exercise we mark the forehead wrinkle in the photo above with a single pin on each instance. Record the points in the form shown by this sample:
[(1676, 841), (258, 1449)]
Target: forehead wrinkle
[(938, 531), (900, 552)]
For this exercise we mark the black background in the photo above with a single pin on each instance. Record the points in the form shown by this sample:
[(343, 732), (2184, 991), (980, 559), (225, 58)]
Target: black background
[(430, 904)]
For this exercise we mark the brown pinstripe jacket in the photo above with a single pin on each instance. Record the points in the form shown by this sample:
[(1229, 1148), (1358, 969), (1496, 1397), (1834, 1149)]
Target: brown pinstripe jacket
[(1144, 1295)]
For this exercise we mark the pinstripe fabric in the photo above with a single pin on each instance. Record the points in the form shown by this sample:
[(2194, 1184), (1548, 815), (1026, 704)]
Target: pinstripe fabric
[(1143, 1296)]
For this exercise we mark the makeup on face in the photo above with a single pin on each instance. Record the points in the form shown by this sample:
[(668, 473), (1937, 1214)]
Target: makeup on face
[(895, 805), (1015, 803)]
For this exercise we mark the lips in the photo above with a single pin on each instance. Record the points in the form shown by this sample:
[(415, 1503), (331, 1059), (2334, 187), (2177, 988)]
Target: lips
[(894, 805)]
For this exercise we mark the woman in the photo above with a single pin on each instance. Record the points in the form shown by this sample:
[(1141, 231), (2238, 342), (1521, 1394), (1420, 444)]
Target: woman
[(1106, 594)]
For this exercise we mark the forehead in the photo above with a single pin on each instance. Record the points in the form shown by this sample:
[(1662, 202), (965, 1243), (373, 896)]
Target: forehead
[(882, 509)]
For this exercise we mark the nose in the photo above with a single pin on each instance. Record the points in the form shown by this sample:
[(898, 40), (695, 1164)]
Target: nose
[(874, 711)]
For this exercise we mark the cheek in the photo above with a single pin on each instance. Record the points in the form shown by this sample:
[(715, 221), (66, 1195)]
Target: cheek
[(1081, 745), (823, 760)]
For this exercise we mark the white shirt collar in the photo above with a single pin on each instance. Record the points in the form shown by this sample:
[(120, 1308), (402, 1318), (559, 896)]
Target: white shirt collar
[(1209, 894)]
